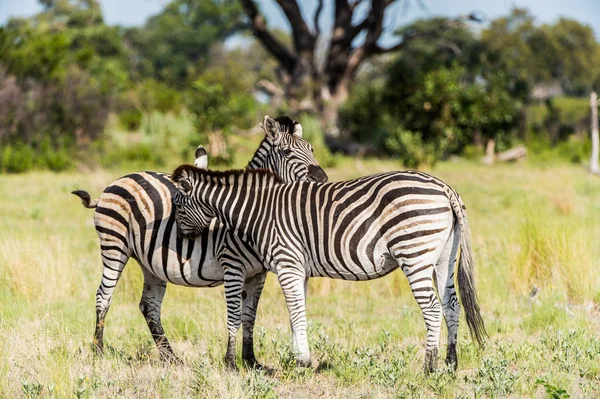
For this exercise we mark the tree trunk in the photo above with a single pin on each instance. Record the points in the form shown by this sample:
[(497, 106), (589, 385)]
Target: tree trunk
[(594, 159), (330, 110)]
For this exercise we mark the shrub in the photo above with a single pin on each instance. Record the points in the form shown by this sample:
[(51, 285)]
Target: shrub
[(17, 158), (130, 119), (409, 148)]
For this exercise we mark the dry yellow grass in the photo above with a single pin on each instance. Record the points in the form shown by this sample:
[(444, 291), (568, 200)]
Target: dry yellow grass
[(530, 226)]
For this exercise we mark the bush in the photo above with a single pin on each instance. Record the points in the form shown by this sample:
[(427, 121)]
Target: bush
[(574, 149), (409, 148), (56, 160), (16, 158), (157, 96), (130, 119)]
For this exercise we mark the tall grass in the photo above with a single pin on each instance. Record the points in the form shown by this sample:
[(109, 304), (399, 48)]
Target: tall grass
[(554, 250)]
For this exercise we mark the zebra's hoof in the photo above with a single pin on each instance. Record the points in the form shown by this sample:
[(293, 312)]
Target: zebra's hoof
[(171, 359), (303, 361), (231, 365), (252, 363), (451, 358), (97, 348), (431, 356)]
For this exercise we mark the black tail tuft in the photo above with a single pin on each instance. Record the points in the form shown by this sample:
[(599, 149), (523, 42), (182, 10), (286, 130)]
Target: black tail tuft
[(85, 199)]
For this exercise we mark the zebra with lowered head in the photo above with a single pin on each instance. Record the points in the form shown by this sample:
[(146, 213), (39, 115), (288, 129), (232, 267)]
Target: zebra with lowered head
[(358, 229), (135, 218)]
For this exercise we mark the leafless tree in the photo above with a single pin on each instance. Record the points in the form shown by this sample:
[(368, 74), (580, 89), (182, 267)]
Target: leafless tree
[(323, 87)]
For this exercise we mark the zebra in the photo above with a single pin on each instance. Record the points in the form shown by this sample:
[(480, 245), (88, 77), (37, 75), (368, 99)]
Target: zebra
[(358, 230), (135, 218)]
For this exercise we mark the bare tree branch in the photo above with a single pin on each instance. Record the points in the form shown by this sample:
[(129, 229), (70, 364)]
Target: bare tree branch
[(278, 50), (412, 35), (303, 38)]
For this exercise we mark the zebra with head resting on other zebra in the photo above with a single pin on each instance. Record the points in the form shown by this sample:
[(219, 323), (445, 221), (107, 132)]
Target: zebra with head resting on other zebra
[(358, 229), (135, 218)]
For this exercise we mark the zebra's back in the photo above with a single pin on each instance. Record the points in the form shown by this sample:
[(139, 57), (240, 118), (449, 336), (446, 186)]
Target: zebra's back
[(365, 228)]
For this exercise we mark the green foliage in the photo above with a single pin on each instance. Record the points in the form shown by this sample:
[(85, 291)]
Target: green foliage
[(410, 149), (16, 158), (553, 392), (173, 43), (427, 116), (19, 158), (219, 100), (131, 119), (566, 52), (153, 95)]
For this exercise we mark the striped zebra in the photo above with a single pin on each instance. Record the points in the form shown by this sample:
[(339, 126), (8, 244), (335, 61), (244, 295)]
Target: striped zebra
[(135, 218), (358, 230)]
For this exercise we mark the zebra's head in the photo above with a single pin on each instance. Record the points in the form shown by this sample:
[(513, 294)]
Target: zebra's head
[(285, 152), (186, 225), (191, 216)]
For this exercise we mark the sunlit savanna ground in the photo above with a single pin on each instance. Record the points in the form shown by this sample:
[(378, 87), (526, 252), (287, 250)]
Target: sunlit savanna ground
[(532, 224)]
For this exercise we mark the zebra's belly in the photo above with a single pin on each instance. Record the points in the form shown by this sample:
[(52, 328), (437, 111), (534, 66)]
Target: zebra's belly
[(358, 265), (182, 261)]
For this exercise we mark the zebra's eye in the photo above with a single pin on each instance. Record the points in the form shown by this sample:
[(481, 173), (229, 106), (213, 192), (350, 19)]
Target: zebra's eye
[(287, 151)]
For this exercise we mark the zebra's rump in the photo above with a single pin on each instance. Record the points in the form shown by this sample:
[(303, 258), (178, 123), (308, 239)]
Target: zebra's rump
[(135, 214)]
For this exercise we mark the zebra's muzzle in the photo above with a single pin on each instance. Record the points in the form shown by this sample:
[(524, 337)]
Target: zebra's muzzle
[(190, 234), (316, 173)]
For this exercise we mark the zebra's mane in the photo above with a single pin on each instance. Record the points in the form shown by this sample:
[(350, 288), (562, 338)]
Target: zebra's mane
[(224, 177), (286, 123)]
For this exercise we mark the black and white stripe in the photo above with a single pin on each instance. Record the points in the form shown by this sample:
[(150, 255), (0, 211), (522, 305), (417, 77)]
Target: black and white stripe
[(358, 230), (135, 218)]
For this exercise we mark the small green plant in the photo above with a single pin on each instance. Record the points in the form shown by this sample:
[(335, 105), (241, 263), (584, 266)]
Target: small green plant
[(258, 386), (493, 378), (31, 389), (79, 390), (553, 392)]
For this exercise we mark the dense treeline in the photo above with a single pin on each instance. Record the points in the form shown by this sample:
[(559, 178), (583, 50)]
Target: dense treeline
[(71, 87)]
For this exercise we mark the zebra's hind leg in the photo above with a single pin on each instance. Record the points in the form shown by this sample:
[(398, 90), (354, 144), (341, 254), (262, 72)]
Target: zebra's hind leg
[(251, 295), (150, 306), (234, 282), (420, 278), (444, 270), (114, 260)]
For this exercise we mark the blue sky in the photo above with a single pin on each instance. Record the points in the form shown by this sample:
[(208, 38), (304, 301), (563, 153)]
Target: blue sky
[(135, 12)]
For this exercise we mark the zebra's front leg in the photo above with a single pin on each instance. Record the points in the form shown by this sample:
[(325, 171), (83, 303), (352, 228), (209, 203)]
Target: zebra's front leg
[(234, 283), (421, 283), (251, 295), (292, 280), (150, 306)]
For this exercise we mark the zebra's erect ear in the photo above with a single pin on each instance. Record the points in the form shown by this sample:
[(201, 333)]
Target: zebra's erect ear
[(297, 129), (201, 160), (271, 128)]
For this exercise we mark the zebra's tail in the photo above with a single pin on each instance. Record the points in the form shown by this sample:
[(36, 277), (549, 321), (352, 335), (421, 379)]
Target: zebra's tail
[(466, 278), (85, 199)]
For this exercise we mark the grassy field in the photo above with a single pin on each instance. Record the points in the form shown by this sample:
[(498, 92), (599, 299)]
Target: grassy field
[(532, 225)]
